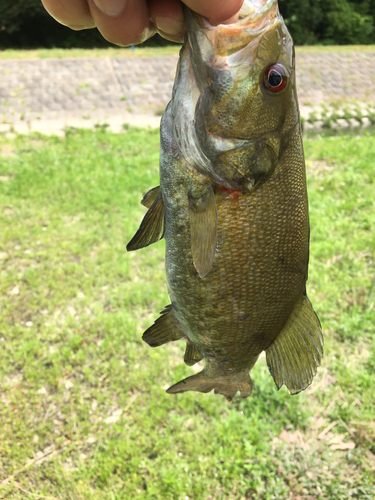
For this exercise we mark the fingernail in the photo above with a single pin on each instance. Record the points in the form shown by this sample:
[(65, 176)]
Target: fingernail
[(169, 25), (146, 34), (111, 7)]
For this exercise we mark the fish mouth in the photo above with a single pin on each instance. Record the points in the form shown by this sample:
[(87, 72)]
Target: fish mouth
[(255, 17), (220, 69)]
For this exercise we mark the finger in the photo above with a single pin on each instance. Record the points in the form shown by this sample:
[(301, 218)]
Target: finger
[(123, 22), (73, 13), (179, 38), (216, 11), (168, 18)]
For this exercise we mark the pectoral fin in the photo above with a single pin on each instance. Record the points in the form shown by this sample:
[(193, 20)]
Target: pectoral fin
[(165, 329), (203, 228), (151, 229), (192, 354), (295, 355)]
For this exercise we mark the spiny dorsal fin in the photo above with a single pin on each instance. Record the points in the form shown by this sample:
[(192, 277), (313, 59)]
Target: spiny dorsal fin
[(165, 329), (150, 197), (295, 355), (203, 228), (192, 354), (151, 229)]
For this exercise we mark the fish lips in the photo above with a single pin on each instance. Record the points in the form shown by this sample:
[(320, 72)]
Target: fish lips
[(256, 17)]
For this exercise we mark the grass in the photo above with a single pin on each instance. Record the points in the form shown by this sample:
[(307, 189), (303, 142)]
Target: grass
[(114, 51), (171, 50), (83, 412)]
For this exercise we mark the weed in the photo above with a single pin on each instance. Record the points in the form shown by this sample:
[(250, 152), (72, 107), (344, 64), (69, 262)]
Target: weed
[(313, 116), (84, 415)]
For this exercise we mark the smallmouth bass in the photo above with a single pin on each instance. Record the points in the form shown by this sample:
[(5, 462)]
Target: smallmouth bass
[(232, 206)]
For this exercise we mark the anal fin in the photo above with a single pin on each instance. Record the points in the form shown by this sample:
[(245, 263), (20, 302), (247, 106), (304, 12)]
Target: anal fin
[(165, 329), (192, 354), (203, 229), (293, 358), (151, 229)]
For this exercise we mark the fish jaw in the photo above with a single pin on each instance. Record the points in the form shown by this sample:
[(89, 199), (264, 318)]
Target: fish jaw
[(226, 124), (255, 17), (212, 46)]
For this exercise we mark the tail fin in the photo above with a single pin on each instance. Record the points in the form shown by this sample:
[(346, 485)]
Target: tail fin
[(226, 386)]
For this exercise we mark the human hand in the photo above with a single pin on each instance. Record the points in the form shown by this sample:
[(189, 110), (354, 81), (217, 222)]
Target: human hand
[(129, 22)]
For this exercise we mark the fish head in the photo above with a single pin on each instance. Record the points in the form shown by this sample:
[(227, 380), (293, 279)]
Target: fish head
[(242, 95)]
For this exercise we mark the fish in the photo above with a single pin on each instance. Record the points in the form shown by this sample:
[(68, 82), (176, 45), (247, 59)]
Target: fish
[(232, 207)]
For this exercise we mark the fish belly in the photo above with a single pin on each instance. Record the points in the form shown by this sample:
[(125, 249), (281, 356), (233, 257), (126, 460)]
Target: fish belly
[(260, 266)]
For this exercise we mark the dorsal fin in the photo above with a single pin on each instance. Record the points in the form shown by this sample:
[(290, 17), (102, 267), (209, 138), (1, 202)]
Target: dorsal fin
[(151, 229), (203, 229), (150, 197), (293, 358), (192, 354), (165, 329)]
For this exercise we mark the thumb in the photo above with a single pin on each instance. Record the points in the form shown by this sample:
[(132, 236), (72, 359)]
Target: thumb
[(216, 11)]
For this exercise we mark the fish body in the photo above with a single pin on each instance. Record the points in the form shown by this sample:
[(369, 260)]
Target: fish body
[(232, 206)]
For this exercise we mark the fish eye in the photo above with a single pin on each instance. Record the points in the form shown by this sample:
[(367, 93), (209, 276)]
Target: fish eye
[(275, 78)]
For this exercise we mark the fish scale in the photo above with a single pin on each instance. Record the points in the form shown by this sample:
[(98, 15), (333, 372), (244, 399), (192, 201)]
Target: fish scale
[(232, 207), (239, 265)]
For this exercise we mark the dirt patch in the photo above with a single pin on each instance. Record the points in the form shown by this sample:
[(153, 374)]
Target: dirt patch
[(6, 151), (318, 168)]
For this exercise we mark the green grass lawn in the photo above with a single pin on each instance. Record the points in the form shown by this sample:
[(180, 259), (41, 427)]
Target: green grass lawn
[(141, 51), (83, 409), (114, 51)]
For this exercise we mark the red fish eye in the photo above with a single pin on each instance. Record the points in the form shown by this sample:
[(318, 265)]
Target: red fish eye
[(275, 78)]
